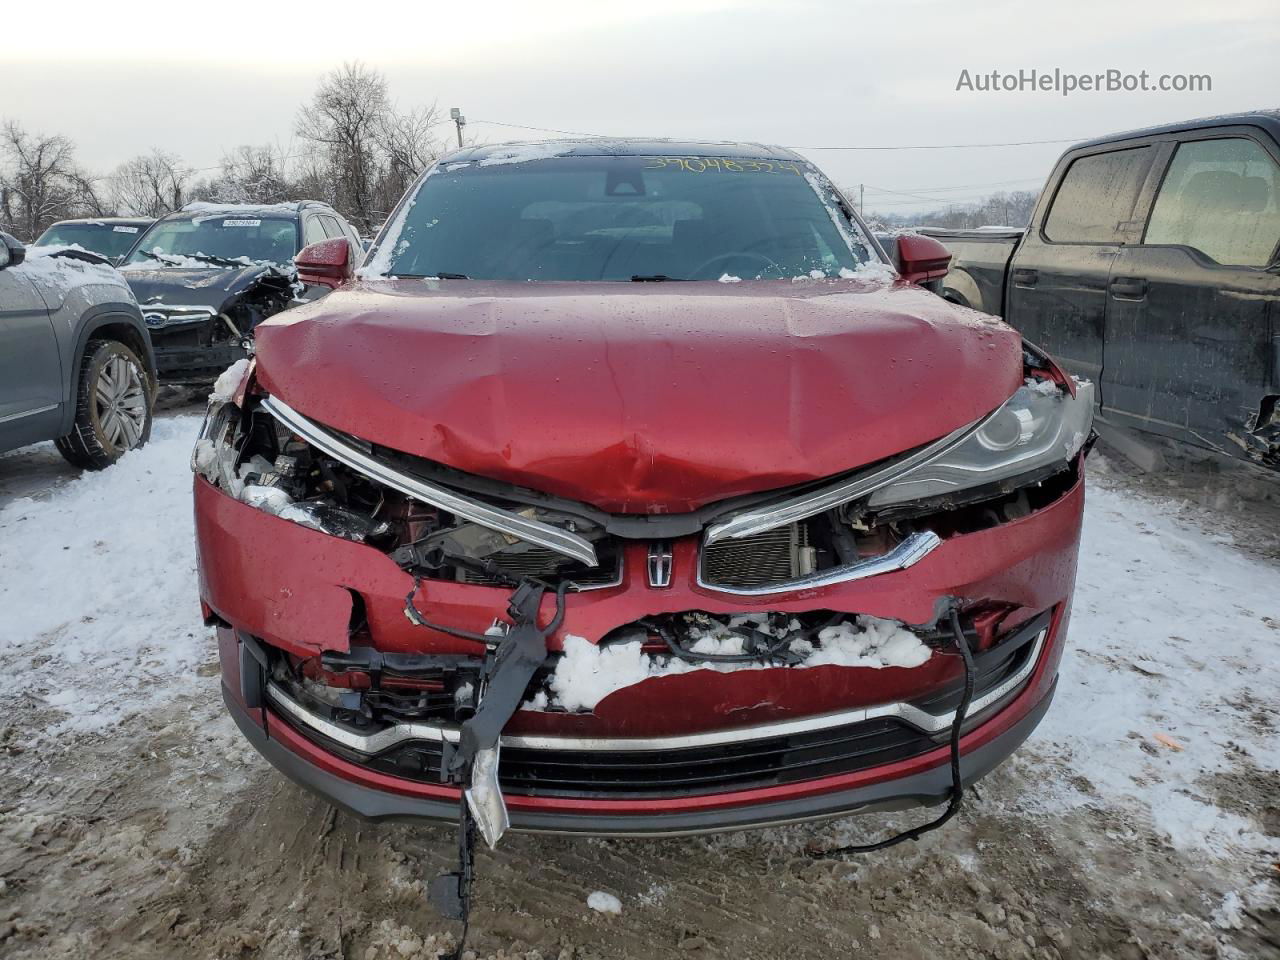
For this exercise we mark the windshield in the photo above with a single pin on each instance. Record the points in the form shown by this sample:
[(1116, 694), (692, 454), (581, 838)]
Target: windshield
[(110, 240), (619, 218), (221, 238)]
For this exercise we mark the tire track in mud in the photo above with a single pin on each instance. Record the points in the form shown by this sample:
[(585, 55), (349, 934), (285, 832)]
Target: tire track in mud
[(284, 875), (154, 843)]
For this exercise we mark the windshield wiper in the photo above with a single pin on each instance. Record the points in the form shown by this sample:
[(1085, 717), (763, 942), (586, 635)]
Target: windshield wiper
[(214, 258), (158, 256), (653, 278), (452, 276)]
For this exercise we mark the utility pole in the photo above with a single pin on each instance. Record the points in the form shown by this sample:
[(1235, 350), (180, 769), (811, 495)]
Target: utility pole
[(459, 120)]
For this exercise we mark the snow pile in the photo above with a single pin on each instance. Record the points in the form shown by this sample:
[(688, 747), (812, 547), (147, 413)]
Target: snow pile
[(224, 388), (182, 261), (873, 643), (1045, 388), (1172, 634), (522, 153), (98, 588), (587, 673), (729, 278), (209, 211), (873, 271), (602, 902)]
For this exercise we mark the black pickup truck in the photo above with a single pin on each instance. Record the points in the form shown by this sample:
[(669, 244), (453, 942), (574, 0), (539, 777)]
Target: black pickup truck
[(1151, 266)]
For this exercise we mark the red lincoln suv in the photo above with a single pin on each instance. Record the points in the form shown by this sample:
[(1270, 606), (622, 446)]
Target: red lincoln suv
[(634, 487)]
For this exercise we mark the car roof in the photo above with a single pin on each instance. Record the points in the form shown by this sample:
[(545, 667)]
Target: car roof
[(627, 147), (105, 220), (1268, 120), (288, 208)]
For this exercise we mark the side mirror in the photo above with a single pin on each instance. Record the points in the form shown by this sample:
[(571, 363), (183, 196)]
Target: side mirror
[(922, 259), (326, 262), (12, 252)]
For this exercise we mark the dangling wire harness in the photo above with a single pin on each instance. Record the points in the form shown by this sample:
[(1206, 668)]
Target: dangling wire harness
[(511, 660), (957, 784)]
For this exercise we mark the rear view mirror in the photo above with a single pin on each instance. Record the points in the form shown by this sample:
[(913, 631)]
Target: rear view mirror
[(922, 259), (12, 252), (326, 262)]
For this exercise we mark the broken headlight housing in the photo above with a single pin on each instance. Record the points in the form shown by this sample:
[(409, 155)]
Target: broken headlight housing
[(1040, 427)]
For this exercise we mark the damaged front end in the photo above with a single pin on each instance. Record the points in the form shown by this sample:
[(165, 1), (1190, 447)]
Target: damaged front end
[(527, 651), (201, 321)]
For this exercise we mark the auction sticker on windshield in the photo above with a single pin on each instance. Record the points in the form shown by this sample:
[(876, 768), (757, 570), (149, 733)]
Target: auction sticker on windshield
[(242, 223), (125, 229), (723, 164)]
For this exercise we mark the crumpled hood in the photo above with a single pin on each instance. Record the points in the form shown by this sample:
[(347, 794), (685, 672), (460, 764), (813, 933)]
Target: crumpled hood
[(203, 287), (641, 397)]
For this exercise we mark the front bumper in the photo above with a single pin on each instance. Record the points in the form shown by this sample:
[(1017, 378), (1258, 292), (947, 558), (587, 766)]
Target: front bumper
[(294, 589), (343, 785), (181, 358)]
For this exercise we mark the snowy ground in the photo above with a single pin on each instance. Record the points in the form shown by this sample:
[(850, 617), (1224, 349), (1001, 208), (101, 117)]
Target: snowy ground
[(1142, 819)]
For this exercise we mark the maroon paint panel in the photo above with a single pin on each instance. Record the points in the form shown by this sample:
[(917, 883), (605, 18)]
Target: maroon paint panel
[(290, 585), (641, 397)]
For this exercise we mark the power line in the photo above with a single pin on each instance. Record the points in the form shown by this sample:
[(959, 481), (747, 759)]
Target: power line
[(958, 186), (946, 146)]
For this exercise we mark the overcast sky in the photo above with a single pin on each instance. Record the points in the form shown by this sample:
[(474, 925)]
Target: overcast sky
[(200, 79)]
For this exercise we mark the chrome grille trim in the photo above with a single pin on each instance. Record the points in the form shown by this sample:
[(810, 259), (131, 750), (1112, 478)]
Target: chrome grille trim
[(374, 743), (495, 518), (906, 554), (160, 315)]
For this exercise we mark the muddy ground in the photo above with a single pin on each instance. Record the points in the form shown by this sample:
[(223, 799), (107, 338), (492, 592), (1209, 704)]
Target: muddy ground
[(165, 836)]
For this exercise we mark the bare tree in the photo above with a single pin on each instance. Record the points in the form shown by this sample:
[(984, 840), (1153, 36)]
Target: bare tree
[(409, 145), (150, 185), (345, 117), (247, 175), (1003, 209), (40, 182)]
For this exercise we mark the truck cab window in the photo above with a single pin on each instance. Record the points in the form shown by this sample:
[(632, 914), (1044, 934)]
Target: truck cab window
[(1221, 197), (1096, 197)]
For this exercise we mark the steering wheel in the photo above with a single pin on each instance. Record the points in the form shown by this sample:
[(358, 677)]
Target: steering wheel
[(696, 274)]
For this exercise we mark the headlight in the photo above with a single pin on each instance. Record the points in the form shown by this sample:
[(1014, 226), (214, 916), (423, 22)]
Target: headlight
[(1040, 426)]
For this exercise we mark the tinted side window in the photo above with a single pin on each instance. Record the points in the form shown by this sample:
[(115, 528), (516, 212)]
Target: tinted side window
[(1096, 197), (312, 231), (1221, 197)]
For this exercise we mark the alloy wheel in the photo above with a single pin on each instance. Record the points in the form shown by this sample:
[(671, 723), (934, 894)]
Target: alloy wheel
[(121, 399)]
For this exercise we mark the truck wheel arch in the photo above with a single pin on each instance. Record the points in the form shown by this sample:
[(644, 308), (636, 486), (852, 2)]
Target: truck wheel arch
[(959, 287)]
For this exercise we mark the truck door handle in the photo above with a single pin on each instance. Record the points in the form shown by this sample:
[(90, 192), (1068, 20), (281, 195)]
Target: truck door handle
[(1025, 277), (1129, 288)]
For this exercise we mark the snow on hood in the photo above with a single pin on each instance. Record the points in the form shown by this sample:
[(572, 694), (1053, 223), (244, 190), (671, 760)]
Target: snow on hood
[(200, 285), (641, 398), (59, 275)]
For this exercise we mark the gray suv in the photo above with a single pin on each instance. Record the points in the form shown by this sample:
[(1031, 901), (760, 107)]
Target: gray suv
[(76, 364)]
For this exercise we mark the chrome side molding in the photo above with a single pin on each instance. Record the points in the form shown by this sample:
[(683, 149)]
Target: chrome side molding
[(374, 743), (495, 518), (778, 514)]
